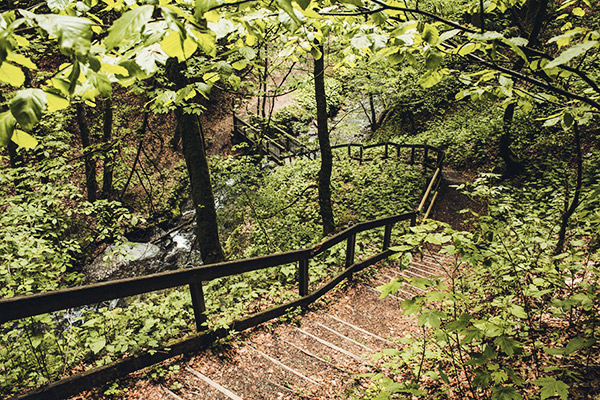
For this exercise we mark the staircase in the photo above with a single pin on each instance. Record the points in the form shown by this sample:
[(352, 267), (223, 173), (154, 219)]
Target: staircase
[(315, 356)]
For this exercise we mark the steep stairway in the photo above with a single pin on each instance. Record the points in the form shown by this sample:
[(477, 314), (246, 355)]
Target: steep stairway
[(315, 356)]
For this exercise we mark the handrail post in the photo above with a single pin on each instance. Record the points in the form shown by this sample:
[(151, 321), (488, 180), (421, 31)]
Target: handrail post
[(387, 236), (349, 151), (198, 305), (425, 156), (386, 155), (350, 247), (412, 155), (303, 277), (361, 155), (397, 150)]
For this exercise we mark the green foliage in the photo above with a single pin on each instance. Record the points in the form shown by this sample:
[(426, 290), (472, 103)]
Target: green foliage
[(513, 317)]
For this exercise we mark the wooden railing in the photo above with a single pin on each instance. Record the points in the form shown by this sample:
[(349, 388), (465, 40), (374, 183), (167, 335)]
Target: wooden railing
[(27, 306)]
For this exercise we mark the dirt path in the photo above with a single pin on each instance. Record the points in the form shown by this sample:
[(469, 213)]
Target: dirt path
[(315, 356)]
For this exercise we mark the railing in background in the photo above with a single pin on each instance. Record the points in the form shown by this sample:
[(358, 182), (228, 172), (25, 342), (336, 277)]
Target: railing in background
[(27, 306)]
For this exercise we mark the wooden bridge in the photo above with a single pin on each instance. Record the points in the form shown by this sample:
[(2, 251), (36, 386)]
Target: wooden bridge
[(21, 307)]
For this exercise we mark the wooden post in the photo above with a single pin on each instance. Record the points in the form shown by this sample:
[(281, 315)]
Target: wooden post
[(350, 244), (387, 236), (349, 151), (303, 277), (425, 156), (198, 304), (412, 155), (386, 150), (397, 151), (361, 155)]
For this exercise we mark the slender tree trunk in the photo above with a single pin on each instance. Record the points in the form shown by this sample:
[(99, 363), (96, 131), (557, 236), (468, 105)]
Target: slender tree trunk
[(513, 165), (107, 173), (570, 208), (325, 147), (373, 114), (188, 126), (90, 163)]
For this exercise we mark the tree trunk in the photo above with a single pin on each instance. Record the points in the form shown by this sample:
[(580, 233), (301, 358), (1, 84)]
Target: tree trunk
[(513, 165), (570, 208), (194, 152), (90, 163), (107, 173), (325, 147)]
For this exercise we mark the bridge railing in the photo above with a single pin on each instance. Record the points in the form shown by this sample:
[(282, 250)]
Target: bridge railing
[(21, 307)]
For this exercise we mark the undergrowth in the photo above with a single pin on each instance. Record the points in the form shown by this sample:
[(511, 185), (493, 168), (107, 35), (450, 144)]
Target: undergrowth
[(513, 320)]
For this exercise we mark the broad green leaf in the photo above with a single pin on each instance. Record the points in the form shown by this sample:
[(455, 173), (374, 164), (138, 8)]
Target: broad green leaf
[(202, 6), (467, 49), (56, 102), (303, 4), (58, 5), (430, 34), (174, 46), (571, 53), (7, 127), (577, 344), (431, 78), (239, 65), (206, 42), (389, 288), (21, 60), (551, 387), (114, 69), (431, 318), (126, 27), (247, 52), (448, 35), (505, 393), (507, 345), (286, 5), (11, 74), (74, 34), (24, 139), (210, 77), (27, 107), (517, 311), (97, 344), (360, 42)]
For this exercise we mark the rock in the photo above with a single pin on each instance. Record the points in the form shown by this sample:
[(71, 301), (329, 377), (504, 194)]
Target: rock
[(123, 261)]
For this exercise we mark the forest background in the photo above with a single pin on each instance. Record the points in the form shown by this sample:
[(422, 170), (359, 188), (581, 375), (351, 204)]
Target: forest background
[(106, 123)]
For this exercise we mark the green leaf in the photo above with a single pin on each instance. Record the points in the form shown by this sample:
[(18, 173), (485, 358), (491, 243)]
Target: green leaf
[(305, 3), (97, 344), (126, 27), (11, 74), (507, 345), (448, 35), (7, 127), (74, 34), (577, 344), (517, 311), (27, 107), (24, 139), (58, 5), (552, 387), (247, 52), (505, 393), (202, 6), (571, 53), (433, 58), (431, 318), (389, 288), (578, 12), (430, 34), (360, 42), (286, 5), (431, 78)]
